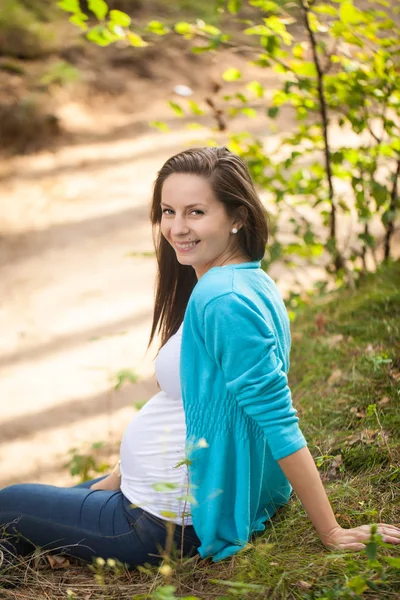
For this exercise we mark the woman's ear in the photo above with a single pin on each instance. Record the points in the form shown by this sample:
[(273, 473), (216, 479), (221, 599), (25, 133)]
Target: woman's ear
[(241, 214)]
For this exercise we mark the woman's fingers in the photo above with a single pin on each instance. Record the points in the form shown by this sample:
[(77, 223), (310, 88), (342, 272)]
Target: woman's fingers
[(389, 533), (356, 538), (354, 547)]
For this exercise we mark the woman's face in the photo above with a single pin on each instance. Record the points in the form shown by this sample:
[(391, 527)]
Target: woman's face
[(195, 223)]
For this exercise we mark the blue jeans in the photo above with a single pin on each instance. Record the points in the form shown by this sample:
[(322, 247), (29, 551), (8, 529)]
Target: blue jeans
[(85, 523)]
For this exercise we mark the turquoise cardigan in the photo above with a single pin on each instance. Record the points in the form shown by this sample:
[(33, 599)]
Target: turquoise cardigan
[(239, 415)]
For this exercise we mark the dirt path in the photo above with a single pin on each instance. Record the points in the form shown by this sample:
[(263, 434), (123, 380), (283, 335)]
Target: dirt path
[(75, 303)]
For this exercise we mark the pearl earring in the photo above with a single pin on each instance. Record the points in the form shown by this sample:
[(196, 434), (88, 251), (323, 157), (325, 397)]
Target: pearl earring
[(234, 230)]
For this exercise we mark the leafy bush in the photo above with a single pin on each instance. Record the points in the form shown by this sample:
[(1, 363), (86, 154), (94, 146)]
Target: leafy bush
[(24, 32), (26, 125)]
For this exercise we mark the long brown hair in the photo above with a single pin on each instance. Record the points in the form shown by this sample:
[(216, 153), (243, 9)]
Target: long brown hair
[(232, 185)]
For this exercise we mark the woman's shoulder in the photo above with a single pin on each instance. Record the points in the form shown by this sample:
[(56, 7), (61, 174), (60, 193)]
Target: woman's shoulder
[(227, 285)]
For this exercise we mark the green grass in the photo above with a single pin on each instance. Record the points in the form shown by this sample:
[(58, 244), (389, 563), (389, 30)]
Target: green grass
[(353, 417)]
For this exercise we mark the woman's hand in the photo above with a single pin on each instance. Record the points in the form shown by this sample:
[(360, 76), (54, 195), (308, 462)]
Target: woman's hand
[(111, 482), (356, 538)]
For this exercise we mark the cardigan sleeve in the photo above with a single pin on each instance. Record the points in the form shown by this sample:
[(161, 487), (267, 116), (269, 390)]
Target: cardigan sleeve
[(241, 342)]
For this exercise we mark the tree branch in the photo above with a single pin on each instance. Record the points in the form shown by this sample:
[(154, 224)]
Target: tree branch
[(338, 260), (392, 210)]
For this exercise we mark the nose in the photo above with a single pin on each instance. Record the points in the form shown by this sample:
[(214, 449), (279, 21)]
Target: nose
[(179, 227)]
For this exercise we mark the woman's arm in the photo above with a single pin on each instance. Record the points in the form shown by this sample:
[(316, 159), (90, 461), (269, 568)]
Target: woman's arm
[(303, 475)]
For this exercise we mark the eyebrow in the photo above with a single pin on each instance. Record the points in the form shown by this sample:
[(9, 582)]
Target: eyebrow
[(188, 206)]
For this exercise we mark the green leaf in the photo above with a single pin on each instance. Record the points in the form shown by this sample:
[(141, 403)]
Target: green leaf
[(169, 514), (97, 445), (135, 40), (233, 111), (231, 74), (357, 584), (193, 126), (234, 6), (241, 97), (301, 113), (157, 28), (326, 9), (201, 49), (101, 36), (273, 112), (184, 28), (79, 20), (280, 98), (271, 43), (120, 18), (210, 29), (256, 88), (240, 585), (309, 237), (392, 561), (164, 486), (257, 30), (298, 51), (70, 6), (369, 241), (184, 461), (380, 193), (124, 375), (303, 68), (176, 108), (138, 404), (267, 6), (249, 112), (315, 25), (195, 108), (99, 8), (350, 15)]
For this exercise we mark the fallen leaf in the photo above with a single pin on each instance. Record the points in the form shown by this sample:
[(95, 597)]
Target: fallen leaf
[(354, 439), (359, 413), (333, 467), (58, 562), (369, 348), (297, 336), (334, 340), (304, 585), (320, 322), (385, 400), (165, 570), (395, 375), (335, 377), (341, 401), (368, 435)]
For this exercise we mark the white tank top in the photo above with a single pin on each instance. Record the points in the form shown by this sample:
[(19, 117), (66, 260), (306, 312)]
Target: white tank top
[(154, 443)]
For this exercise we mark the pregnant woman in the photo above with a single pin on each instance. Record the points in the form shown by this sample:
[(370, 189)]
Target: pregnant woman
[(211, 457)]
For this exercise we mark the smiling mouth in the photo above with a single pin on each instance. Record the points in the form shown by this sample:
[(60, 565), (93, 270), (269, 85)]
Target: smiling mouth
[(186, 246)]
